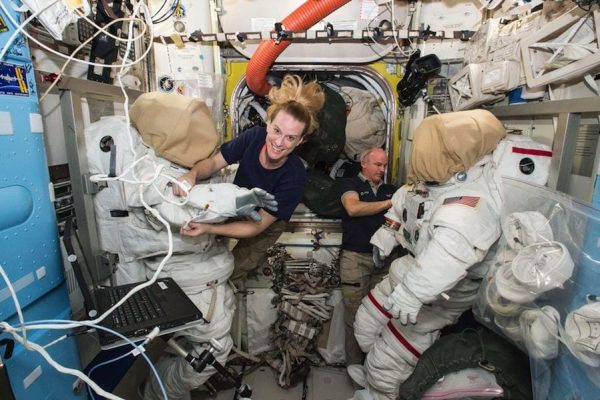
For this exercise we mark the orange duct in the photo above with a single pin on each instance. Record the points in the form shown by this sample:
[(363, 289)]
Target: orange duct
[(301, 19)]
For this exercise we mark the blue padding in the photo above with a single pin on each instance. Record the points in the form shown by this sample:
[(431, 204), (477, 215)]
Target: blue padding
[(30, 375), (29, 247), (17, 205)]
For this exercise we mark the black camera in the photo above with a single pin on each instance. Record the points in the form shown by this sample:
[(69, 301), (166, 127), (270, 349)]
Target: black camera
[(418, 71)]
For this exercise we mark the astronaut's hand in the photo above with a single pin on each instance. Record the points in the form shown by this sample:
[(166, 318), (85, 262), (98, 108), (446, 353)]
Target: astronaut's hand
[(247, 202), (403, 304), (186, 182), (193, 229), (378, 258)]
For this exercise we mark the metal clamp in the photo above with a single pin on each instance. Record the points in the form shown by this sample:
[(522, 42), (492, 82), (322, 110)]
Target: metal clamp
[(281, 32)]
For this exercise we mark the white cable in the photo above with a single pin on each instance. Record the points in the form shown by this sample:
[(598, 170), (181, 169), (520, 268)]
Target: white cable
[(33, 39), (16, 32), (60, 324), (394, 24), (13, 294), (129, 40), (70, 371), (82, 45), (370, 31)]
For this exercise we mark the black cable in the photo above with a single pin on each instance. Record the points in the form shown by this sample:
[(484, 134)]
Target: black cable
[(586, 3), (165, 17), (173, 4), (160, 9), (168, 13)]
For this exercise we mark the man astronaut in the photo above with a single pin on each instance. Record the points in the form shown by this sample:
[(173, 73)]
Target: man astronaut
[(135, 179), (448, 217)]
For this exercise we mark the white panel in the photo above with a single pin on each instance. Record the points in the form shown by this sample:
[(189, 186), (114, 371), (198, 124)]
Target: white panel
[(238, 16), (35, 122), (452, 15), (6, 127), (32, 377), (170, 61), (18, 285)]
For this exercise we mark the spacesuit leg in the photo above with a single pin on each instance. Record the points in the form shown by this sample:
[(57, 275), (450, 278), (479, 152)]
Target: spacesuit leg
[(177, 376), (371, 316), (396, 352)]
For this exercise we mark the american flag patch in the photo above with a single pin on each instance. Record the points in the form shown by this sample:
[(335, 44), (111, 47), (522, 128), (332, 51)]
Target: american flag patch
[(464, 200)]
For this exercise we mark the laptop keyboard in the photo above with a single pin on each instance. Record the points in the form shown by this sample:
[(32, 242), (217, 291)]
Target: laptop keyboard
[(138, 308)]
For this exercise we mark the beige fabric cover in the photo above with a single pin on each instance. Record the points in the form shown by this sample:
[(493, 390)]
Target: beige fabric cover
[(448, 143), (178, 128), (365, 124)]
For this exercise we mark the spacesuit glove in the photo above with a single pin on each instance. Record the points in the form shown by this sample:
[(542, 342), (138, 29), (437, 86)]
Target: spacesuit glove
[(403, 304), (248, 201), (378, 258), (384, 240)]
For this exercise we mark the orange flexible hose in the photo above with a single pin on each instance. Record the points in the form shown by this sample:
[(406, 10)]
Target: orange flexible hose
[(302, 18)]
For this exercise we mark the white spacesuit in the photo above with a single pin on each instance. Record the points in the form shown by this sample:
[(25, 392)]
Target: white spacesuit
[(201, 266), (447, 219)]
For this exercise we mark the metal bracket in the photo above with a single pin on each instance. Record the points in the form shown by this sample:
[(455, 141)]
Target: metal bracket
[(90, 187), (108, 260)]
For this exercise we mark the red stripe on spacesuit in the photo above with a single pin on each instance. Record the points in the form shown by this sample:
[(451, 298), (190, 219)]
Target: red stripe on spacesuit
[(379, 306), (532, 152), (402, 340)]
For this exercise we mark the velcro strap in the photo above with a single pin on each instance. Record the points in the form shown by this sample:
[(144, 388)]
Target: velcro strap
[(119, 213)]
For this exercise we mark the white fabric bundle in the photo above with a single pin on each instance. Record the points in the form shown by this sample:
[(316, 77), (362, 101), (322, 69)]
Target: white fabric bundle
[(365, 123)]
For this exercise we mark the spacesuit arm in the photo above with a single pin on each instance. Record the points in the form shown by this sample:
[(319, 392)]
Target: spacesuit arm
[(384, 239), (439, 267), (212, 203), (459, 237), (202, 170)]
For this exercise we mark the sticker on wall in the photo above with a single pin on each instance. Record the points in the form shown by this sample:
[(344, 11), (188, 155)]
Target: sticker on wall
[(3, 26), (180, 87), (13, 80), (166, 84), (35, 123), (6, 125)]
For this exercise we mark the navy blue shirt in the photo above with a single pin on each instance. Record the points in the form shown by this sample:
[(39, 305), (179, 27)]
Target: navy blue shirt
[(357, 231), (286, 183)]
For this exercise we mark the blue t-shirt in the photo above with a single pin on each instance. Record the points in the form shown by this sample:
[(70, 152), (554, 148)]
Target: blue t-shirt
[(286, 183), (357, 231)]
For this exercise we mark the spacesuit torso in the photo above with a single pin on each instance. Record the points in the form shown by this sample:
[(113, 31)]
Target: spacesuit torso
[(468, 204)]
